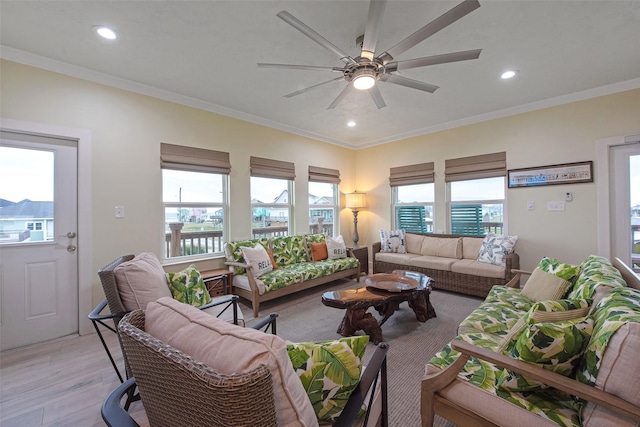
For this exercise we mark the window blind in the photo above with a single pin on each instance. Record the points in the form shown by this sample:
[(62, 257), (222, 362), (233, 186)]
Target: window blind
[(267, 168), (194, 159), (421, 173), (318, 174), (476, 167)]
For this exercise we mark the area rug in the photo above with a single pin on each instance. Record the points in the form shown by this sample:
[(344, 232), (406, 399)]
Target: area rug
[(302, 317)]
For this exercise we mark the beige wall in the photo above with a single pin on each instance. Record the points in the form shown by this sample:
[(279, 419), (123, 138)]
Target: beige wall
[(127, 128), (126, 132), (562, 134)]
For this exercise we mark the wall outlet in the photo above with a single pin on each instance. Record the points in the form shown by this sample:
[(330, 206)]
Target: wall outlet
[(119, 211), (555, 206), (531, 206)]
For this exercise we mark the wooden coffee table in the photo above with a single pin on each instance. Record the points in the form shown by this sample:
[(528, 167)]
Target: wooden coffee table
[(384, 292)]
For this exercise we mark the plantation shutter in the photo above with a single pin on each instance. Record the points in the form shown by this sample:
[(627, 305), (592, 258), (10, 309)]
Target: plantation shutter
[(421, 173), (267, 168), (179, 157), (476, 167), (317, 174)]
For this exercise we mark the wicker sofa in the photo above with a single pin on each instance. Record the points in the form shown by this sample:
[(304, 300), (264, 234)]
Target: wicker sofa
[(295, 268), (450, 260), (585, 375)]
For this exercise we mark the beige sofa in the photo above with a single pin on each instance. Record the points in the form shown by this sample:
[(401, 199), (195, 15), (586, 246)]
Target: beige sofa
[(450, 260), (482, 378)]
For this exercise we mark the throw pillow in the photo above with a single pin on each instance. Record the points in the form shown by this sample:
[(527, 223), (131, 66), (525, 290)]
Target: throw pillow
[(319, 251), (554, 346), (393, 241), (329, 372), (542, 286), (336, 247), (258, 258), (140, 281), (495, 248), (566, 271), (187, 287)]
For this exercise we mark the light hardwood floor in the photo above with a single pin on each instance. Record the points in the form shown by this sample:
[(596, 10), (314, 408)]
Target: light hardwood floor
[(60, 383)]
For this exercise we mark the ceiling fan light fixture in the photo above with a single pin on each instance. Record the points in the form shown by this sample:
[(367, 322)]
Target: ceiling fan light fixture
[(364, 79)]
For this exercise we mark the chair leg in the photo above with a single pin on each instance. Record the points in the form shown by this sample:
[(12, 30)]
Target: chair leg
[(106, 348)]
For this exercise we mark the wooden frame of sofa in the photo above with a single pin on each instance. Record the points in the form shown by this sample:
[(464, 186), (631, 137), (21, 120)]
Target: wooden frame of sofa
[(254, 296), (449, 280), (431, 402)]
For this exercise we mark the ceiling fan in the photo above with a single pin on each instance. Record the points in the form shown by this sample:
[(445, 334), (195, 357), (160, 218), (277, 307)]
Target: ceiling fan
[(365, 70)]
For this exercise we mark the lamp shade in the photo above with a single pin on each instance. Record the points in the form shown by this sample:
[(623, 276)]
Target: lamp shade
[(356, 200)]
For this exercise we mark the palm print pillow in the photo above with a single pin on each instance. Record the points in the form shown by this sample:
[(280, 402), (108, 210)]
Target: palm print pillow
[(329, 371), (187, 287), (495, 248)]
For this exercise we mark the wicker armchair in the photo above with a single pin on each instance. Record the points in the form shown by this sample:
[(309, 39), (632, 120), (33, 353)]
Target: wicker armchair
[(177, 390), (226, 306)]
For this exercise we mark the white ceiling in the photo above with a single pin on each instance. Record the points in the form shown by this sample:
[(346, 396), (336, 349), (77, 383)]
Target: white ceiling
[(204, 53)]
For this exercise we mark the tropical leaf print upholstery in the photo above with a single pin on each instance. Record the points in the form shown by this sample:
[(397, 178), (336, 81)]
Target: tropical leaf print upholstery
[(280, 278), (494, 318), (342, 264), (289, 250), (565, 271), (187, 287), (617, 307), (509, 296), (329, 371), (234, 253), (595, 271), (311, 270)]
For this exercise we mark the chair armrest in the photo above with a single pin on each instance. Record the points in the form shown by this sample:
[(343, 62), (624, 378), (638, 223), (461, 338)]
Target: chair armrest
[(375, 248), (515, 280), (225, 299), (267, 323), (236, 264), (376, 369), (95, 313), (112, 412), (557, 381)]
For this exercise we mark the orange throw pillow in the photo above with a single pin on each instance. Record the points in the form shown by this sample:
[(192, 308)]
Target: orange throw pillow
[(319, 251), (273, 261)]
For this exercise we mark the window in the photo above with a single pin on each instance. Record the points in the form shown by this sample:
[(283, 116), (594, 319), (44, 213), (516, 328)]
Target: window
[(271, 197), (476, 194), (195, 199), (412, 195), (323, 200)]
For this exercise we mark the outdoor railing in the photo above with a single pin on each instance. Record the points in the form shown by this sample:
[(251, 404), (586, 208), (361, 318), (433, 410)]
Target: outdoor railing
[(269, 232), (178, 243), (492, 227)]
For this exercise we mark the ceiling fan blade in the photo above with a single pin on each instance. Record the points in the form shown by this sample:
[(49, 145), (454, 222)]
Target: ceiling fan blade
[(340, 97), (432, 60), (299, 67), (313, 87), (313, 35), (376, 10), (403, 81), (377, 97), (430, 29)]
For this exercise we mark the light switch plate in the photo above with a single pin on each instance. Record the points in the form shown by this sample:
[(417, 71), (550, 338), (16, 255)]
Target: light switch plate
[(555, 206), (531, 206), (119, 211)]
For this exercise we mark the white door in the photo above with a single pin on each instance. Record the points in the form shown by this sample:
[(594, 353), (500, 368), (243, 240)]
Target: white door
[(38, 226), (625, 202)]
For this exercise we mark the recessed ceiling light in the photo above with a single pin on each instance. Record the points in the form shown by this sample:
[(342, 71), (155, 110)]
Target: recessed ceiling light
[(351, 124), (508, 74), (105, 32)]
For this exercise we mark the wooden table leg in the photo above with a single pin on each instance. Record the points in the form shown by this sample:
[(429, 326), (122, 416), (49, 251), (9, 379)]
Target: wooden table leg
[(422, 307), (355, 319)]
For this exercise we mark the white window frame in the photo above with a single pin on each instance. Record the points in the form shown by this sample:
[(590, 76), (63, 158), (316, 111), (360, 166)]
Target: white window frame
[(482, 202), (278, 206), (335, 207), (395, 204)]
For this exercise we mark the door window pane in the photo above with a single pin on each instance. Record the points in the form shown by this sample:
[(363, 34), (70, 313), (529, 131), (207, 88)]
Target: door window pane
[(26, 195)]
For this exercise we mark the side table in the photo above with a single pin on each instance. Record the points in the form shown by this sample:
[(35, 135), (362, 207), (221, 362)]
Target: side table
[(218, 281), (362, 253)]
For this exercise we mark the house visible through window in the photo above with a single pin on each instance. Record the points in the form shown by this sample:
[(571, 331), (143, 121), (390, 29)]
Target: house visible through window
[(476, 194), (323, 200), (412, 194), (195, 200), (271, 197)]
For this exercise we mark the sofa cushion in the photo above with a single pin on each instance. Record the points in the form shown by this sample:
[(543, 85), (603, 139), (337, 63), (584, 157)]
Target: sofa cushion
[(393, 241), (433, 262), (442, 247), (495, 248), (313, 238), (258, 258), (280, 278), (311, 270), (414, 243), (329, 372), (319, 251), (342, 264), (289, 250), (140, 281), (208, 340), (471, 247), (477, 268), (395, 258), (187, 287), (494, 318), (542, 286), (336, 248)]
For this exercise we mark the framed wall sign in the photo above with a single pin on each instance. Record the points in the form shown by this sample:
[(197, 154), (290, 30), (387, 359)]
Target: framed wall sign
[(568, 173)]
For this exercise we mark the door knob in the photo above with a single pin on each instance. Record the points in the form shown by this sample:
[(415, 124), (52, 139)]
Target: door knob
[(71, 248)]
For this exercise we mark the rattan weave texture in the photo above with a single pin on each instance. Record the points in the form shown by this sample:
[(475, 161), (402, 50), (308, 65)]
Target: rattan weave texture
[(177, 390)]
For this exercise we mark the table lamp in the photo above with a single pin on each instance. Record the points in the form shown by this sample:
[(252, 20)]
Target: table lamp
[(356, 201)]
